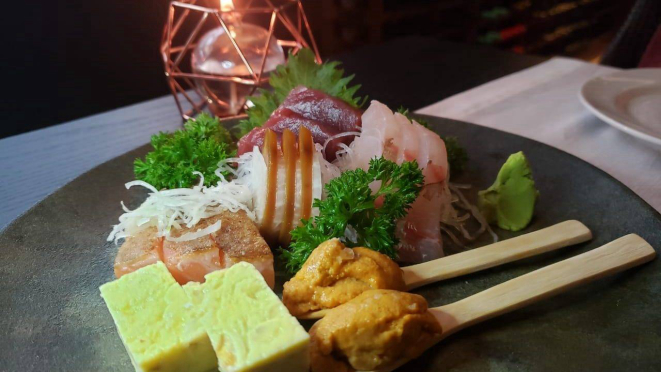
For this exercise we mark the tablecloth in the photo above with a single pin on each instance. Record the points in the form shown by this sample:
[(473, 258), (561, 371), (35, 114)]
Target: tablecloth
[(542, 103)]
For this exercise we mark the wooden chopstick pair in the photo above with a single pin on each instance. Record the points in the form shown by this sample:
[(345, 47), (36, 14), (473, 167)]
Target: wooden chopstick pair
[(619, 255), (545, 240)]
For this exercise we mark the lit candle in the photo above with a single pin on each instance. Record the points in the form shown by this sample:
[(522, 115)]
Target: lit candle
[(215, 54)]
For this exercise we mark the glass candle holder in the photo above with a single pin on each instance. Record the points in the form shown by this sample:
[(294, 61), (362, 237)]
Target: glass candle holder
[(220, 69), (215, 54)]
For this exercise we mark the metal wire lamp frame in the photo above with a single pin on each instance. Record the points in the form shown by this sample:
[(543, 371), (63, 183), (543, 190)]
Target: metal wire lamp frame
[(181, 80)]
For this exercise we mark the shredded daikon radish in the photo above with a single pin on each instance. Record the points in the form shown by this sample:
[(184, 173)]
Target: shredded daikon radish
[(251, 172), (339, 135), (358, 154), (453, 237), (174, 208), (197, 234), (458, 223), (328, 169), (344, 157)]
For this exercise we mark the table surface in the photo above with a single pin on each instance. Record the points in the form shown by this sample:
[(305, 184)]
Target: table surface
[(410, 72), (542, 103)]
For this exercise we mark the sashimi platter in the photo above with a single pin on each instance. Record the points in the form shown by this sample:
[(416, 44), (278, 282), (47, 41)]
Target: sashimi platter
[(304, 237)]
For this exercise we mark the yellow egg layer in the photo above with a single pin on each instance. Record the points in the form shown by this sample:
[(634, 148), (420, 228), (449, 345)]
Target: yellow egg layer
[(154, 320), (250, 329)]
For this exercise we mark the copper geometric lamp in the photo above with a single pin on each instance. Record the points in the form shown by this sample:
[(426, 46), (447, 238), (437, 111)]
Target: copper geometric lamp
[(216, 54)]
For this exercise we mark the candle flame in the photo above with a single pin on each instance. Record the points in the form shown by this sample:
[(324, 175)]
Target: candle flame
[(226, 5)]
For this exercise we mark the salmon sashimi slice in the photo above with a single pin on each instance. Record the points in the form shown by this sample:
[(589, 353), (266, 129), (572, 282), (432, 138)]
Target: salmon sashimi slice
[(191, 260), (141, 250), (237, 240)]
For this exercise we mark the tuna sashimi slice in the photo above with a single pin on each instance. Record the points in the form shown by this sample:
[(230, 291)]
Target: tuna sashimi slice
[(325, 116)]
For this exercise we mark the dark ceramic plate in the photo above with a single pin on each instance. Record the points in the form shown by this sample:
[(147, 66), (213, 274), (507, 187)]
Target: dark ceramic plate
[(54, 258)]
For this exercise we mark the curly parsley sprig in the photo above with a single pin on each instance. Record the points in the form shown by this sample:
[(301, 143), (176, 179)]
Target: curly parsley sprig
[(350, 205), (198, 147)]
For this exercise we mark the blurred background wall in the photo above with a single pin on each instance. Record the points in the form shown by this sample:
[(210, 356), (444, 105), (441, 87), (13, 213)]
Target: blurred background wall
[(577, 28), (64, 60)]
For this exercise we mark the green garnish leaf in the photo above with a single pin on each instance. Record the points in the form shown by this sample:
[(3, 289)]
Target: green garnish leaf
[(457, 155), (350, 205), (406, 112), (198, 147), (510, 201), (300, 69)]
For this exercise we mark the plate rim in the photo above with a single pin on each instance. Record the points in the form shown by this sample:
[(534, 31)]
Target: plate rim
[(605, 117)]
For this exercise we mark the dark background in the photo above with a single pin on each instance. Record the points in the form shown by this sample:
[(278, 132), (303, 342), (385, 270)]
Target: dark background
[(69, 59)]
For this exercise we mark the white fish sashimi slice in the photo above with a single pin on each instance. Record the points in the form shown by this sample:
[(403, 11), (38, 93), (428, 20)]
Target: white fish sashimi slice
[(253, 174), (409, 141), (419, 232), (433, 156), (424, 142), (438, 153), (317, 188), (318, 178), (367, 146), (396, 138), (328, 170), (380, 118)]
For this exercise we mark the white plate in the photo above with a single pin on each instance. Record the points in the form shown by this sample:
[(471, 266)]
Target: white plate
[(628, 100)]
